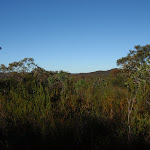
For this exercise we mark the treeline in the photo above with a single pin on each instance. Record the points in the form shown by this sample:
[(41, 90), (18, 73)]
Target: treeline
[(42, 110)]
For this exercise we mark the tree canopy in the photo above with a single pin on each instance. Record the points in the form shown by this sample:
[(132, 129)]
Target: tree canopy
[(24, 65), (136, 58)]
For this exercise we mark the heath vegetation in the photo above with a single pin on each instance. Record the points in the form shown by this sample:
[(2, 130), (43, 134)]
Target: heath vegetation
[(44, 109)]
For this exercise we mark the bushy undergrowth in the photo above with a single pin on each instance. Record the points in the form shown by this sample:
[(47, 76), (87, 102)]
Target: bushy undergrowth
[(39, 110)]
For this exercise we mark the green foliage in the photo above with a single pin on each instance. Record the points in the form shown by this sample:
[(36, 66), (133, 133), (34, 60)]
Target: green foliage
[(118, 80), (136, 58)]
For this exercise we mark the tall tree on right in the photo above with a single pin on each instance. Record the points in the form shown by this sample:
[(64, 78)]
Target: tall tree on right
[(136, 67)]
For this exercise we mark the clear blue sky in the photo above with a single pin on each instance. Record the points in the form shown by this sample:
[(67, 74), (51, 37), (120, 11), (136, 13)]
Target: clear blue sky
[(72, 35)]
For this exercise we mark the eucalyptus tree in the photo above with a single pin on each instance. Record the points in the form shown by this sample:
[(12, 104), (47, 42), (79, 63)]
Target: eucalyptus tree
[(136, 66), (18, 70)]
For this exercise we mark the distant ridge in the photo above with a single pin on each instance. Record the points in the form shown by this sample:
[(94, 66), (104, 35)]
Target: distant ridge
[(100, 72)]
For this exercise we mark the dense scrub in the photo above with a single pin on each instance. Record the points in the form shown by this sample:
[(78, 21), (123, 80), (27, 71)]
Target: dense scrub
[(62, 111)]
